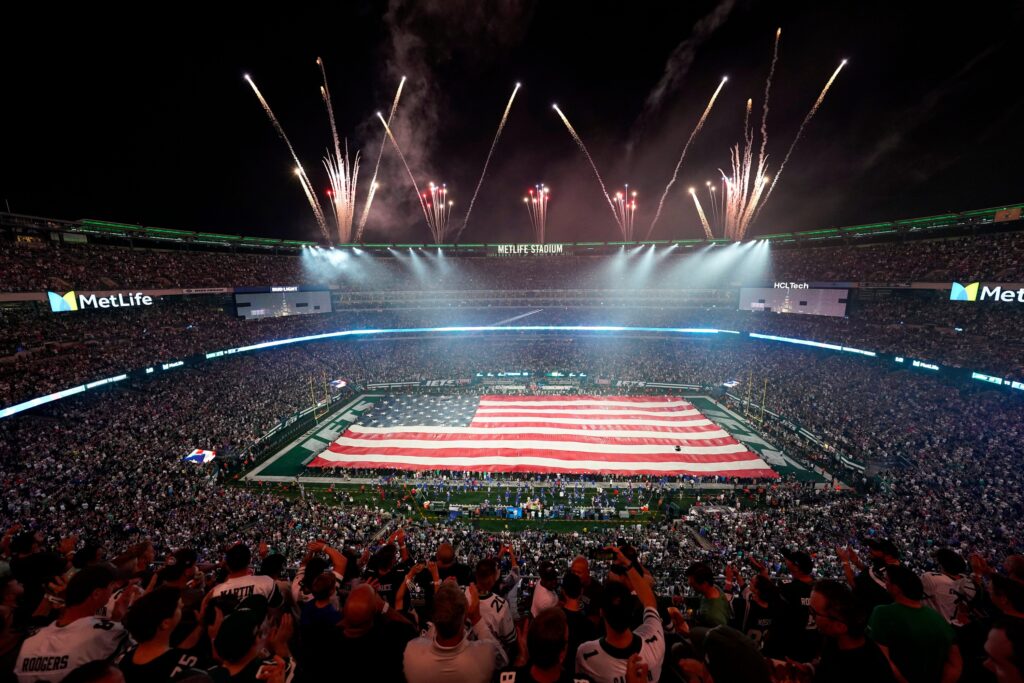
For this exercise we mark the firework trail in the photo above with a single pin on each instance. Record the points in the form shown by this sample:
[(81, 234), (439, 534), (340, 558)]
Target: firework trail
[(380, 153), (675, 173), (419, 196), (307, 187), (800, 130), (536, 201), (714, 202), (625, 212), (767, 90), (700, 212), (487, 161), (583, 147), (326, 94), (438, 208)]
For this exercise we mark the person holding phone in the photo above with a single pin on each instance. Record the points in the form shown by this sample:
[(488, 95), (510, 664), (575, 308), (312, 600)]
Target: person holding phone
[(606, 660)]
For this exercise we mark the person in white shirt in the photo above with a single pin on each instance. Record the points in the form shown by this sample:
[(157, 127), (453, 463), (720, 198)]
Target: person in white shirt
[(946, 590), (607, 660), (241, 583), (495, 611), (446, 653), (545, 593), (77, 637)]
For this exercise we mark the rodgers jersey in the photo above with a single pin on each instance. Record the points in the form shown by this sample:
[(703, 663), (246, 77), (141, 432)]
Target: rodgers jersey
[(603, 663), (55, 651)]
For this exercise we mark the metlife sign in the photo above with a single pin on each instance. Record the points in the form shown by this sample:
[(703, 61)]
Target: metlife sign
[(70, 302), (975, 291)]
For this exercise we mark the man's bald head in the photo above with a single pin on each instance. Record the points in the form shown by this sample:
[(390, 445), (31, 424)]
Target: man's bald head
[(361, 607), (445, 553), (581, 568)]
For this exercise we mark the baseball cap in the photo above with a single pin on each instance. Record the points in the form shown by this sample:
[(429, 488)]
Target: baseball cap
[(238, 632), (800, 558)]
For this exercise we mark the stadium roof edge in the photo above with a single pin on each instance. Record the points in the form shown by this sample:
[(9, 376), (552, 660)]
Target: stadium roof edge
[(1011, 213)]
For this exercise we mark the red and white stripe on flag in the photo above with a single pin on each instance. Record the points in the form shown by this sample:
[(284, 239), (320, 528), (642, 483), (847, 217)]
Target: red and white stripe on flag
[(659, 435)]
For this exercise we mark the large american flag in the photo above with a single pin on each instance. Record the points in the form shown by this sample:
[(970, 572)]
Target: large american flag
[(570, 434)]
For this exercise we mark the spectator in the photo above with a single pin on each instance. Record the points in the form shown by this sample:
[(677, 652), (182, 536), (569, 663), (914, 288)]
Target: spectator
[(797, 631), (544, 595), (372, 644), (76, 637), (606, 660), (445, 654), (581, 629), (242, 583), (949, 590), (714, 607), (239, 644), (591, 598), (150, 621), (847, 655), (915, 639), (494, 609), (547, 644)]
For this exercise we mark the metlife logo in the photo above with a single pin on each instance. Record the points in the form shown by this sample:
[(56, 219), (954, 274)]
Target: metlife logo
[(975, 291), (66, 303)]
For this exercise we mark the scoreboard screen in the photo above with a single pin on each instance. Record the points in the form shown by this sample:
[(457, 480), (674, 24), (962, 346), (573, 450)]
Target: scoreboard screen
[(279, 302)]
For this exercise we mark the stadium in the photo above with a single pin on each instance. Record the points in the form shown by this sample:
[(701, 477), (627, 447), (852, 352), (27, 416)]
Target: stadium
[(754, 454)]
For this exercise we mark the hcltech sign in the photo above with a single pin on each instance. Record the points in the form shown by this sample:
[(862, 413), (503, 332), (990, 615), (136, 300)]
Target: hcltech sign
[(977, 292), (76, 302)]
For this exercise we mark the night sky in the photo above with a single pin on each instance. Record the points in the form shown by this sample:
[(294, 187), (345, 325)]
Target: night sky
[(146, 119)]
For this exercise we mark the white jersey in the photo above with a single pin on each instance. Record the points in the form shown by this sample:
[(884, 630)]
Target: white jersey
[(943, 593), (602, 663), (244, 586), (55, 651), (542, 599), (496, 614)]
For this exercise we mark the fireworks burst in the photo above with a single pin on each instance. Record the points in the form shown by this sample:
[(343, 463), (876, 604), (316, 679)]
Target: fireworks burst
[(438, 209), (536, 201), (342, 169), (625, 212), (675, 173), (746, 190), (487, 161)]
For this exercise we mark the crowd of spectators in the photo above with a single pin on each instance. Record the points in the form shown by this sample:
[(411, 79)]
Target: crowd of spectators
[(41, 352), (132, 563)]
